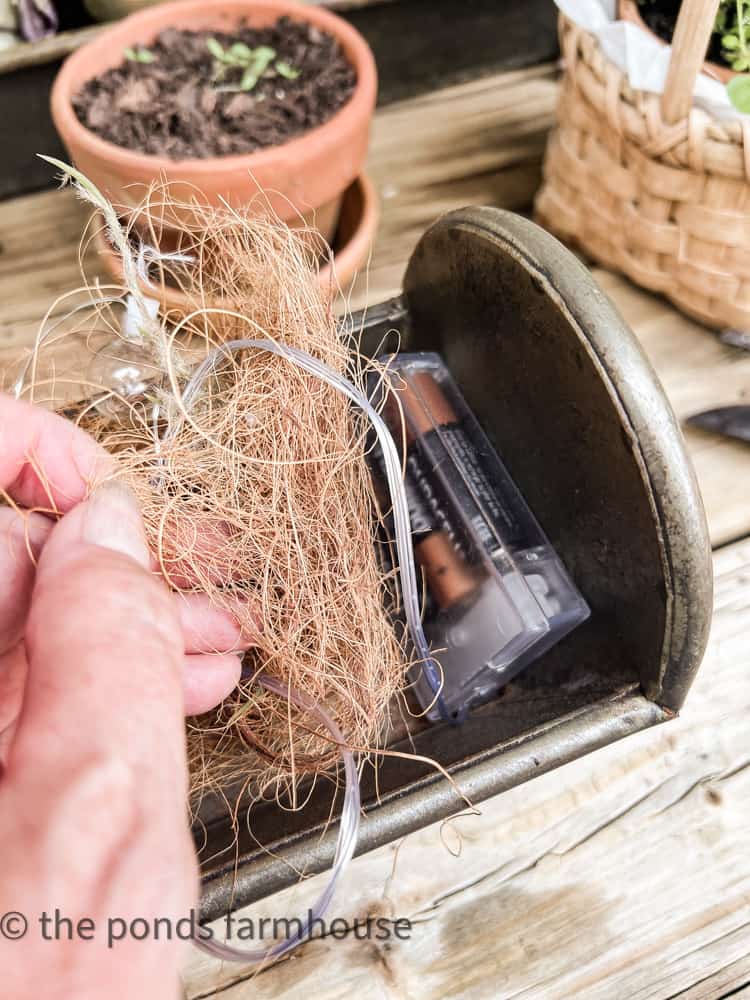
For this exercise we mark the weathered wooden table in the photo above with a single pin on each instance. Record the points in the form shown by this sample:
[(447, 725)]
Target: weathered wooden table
[(623, 875)]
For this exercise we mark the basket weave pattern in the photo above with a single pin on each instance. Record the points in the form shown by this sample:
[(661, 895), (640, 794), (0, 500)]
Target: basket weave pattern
[(666, 204)]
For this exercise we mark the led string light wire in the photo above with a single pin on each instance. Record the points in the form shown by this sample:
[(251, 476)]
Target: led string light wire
[(345, 845)]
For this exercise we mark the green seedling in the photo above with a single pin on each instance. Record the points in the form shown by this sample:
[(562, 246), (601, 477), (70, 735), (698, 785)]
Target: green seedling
[(253, 63), (732, 23), (139, 55), (284, 69), (732, 31), (738, 90)]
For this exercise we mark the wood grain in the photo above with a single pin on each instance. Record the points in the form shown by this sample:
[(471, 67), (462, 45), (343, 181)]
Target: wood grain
[(477, 143), (51, 49), (623, 875)]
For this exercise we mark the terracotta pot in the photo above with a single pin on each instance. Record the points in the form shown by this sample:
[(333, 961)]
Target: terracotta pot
[(351, 245), (302, 180), (628, 10)]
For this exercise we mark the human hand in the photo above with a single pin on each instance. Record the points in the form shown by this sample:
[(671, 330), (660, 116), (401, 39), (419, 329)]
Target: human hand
[(98, 663)]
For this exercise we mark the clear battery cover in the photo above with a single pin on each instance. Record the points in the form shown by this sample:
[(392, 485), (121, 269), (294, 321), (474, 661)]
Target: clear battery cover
[(497, 594)]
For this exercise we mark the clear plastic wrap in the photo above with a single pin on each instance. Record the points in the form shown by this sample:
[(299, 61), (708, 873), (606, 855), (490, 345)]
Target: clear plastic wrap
[(498, 595)]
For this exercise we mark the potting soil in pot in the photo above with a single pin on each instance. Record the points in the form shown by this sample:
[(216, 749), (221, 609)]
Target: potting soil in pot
[(197, 94)]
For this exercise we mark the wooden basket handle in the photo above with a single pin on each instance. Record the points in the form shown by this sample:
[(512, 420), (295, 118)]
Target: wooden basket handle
[(692, 34)]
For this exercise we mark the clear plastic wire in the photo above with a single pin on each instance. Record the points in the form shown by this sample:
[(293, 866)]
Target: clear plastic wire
[(45, 332), (349, 823), (345, 845)]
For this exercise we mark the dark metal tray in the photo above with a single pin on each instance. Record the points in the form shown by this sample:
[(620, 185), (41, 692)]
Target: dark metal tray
[(578, 415)]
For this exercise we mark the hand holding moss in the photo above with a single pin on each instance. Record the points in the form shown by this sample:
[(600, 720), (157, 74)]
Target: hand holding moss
[(98, 662)]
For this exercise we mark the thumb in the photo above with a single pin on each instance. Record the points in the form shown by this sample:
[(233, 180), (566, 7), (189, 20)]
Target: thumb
[(94, 819), (104, 649)]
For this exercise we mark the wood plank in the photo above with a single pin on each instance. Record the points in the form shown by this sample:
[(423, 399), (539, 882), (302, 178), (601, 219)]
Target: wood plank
[(698, 372), (731, 981), (47, 50), (477, 143), (625, 874)]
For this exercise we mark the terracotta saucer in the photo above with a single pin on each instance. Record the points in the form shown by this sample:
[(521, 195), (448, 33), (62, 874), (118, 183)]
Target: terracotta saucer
[(351, 245)]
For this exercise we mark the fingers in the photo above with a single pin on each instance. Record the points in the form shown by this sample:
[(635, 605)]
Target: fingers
[(12, 681), (92, 801), (208, 629), (21, 541), (208, 678), (196, 550), (45, 460), (213, 638), (105, 651)]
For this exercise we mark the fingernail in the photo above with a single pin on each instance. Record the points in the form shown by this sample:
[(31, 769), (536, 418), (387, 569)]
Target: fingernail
[(113, 521)]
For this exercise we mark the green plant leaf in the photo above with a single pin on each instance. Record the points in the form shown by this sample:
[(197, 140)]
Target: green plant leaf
[(286, 70), (241, 51), (215, 48), (264, 54), (738, 91), (741, 64), (139, 55), (730, 42), (249, 79)]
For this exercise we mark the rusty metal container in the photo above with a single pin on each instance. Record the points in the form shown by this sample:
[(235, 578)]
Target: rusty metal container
[(574, 408)]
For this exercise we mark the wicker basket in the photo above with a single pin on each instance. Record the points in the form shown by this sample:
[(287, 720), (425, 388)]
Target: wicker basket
[(649, 185)]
